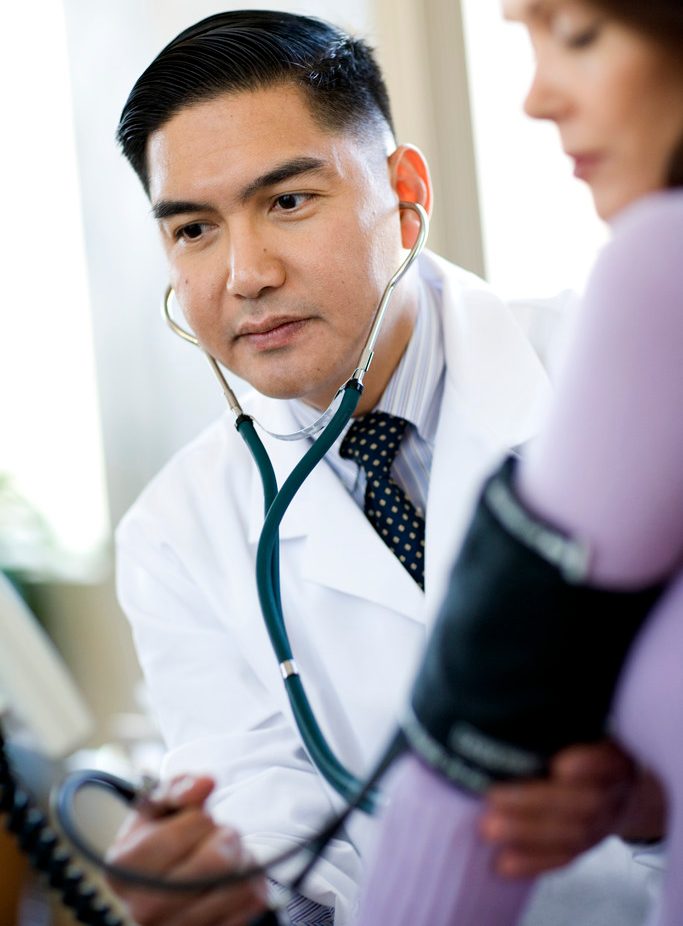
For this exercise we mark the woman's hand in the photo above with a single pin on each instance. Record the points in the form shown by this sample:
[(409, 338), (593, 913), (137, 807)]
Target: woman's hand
[(593, 791)]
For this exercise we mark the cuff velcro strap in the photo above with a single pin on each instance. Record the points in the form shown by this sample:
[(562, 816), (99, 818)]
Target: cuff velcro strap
[(524, 655)]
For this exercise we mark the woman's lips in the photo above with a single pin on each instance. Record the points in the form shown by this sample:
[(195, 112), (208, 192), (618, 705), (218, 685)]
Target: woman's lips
[(585, 165)]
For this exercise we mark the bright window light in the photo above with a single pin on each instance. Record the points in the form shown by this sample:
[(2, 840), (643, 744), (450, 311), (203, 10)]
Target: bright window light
[(541, 234), (51, 465)]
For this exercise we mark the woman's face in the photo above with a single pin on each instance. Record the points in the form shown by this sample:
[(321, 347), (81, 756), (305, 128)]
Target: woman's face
[(615, 95)]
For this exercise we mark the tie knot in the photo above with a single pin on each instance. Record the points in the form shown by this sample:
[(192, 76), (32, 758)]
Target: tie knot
[(373, 441)]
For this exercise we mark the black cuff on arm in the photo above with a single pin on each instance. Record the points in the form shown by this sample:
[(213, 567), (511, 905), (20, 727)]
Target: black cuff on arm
[(524, 656)]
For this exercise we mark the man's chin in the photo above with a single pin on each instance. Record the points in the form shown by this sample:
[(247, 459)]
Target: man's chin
[(294, 392), (294, 389)]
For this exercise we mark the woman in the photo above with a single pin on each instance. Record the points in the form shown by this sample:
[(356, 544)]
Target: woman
[(609, 465)]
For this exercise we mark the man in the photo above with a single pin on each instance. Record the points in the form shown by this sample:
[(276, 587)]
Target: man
[(264, 141)]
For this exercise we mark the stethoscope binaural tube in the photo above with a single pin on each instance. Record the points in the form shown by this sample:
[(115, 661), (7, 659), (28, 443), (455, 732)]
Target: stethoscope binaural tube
[(331, 424)]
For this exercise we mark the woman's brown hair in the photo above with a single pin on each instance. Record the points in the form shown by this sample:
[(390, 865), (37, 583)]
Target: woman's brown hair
[(662, 21)]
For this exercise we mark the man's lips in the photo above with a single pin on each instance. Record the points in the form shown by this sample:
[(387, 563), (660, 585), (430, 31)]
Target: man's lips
[(265, 325), (272, 332)]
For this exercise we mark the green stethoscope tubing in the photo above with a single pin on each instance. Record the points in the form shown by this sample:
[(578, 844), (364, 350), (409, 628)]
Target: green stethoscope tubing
[(352, 789), (268, 584)]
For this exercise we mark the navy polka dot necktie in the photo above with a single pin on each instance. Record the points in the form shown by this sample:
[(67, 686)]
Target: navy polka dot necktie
[(373, 441)]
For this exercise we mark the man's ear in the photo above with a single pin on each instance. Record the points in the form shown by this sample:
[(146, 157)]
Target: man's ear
[(409, 177)]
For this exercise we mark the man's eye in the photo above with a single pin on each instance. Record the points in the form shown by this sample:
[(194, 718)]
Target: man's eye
[(289, 201), (190, 232)]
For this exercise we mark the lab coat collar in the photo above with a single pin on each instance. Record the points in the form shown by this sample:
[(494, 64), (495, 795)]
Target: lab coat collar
[(498, 378), (495, 395)]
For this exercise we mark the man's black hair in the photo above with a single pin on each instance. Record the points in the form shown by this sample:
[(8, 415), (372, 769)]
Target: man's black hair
[(249, 49)]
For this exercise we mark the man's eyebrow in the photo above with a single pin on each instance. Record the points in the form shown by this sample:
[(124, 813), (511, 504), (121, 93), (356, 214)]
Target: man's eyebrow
[(168, 208), (280, 173)]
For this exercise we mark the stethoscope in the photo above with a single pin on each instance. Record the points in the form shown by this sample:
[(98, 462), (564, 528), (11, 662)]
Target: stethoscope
[(356, 793), (328, 427)]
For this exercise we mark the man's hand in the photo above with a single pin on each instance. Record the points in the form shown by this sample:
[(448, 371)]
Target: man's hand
[(172, 835), (593, 791)]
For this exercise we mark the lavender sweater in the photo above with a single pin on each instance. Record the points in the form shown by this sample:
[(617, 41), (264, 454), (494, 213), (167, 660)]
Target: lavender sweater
[(609, 468)]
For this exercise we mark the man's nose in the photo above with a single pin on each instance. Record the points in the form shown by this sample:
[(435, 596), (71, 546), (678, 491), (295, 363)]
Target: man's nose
[(254, 267)]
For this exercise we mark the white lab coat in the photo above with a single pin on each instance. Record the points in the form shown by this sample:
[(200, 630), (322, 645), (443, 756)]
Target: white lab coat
[(356, 620)]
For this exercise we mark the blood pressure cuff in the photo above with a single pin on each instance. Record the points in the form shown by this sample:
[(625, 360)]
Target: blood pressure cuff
[(524, 656)]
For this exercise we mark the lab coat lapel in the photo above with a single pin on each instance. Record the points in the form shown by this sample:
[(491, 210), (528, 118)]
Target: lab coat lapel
[(495, 395), (345, 553), (342, 550)]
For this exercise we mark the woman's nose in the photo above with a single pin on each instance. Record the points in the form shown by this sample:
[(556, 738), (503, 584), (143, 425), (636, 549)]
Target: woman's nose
[(545, 98)]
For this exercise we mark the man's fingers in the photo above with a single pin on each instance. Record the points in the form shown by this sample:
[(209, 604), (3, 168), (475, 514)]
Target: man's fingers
[(156, 846), (237, 904), (226, 906), (219, 852), (234, 907), (176, 794), (171, 836)]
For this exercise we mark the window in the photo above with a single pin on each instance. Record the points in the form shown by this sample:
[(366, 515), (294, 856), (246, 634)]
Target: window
[(50, 446)]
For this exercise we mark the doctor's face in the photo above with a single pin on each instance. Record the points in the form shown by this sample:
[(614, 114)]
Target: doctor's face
[(615, 95), (281, 236)]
